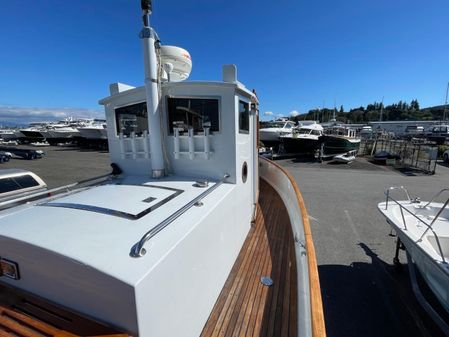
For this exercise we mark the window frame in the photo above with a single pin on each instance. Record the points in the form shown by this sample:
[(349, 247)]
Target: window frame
[(117, 131), (167, 119), (243, 131)]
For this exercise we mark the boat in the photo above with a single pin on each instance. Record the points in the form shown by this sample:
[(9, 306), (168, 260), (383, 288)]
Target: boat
[(190, 234), (34, 130), (422, 227), (339, 139), (40, 144), (346, 158), (366, 132), (303, 140), (271, 132), (95, 131), (9, 134)]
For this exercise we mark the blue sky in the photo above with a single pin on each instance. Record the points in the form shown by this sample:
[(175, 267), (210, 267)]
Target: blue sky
[(57, 58)]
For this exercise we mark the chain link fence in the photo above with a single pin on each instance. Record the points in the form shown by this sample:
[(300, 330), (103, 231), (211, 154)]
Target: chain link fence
[(419, 155)]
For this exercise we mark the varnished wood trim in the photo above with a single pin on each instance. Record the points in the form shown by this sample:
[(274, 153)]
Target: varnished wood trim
[(316, 303)]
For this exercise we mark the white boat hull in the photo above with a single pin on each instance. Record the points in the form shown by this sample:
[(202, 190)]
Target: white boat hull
[(425, 253)]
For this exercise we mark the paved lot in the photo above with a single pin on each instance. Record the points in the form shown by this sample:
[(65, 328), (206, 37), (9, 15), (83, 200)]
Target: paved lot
[(363, 294), (64, 165)]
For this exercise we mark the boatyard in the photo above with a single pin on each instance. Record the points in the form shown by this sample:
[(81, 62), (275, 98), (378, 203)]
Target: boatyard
[(363, 293), (279, 189)]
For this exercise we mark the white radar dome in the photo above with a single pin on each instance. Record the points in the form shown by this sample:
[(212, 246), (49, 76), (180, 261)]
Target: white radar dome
[(178, 61)]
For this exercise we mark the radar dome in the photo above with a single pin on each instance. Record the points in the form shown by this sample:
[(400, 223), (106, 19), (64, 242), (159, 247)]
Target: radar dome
[(178, 60)]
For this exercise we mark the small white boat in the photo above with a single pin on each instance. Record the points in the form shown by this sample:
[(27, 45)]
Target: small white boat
[(345, 157), (423, 228), (40, 144)]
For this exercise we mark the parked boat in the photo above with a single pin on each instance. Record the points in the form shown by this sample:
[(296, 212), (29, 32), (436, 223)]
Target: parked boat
[(423, 228), (272, 131), (145, 253), (33, 131), (366, 132), (96, 131), (9, 134), (303, 140), (339, 140), (346, 158)]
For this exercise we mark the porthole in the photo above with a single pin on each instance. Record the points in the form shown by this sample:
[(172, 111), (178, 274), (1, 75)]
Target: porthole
[(244, 172)]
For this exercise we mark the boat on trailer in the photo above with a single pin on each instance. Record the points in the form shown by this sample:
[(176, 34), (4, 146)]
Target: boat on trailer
[(423, 229), (190, 235)]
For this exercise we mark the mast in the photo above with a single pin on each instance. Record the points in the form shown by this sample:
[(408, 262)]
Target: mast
[(445, 103), (381, 109), (150, 42)]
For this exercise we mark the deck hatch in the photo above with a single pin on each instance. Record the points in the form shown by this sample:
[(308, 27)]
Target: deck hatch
[(130, 202)]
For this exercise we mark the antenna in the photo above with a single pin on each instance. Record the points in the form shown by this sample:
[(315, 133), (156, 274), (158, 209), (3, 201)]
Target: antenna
[(445, 103), (381, 109), (147, 9)]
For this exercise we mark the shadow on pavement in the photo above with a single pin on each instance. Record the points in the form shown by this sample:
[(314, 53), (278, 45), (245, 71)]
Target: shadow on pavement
[(372, 300)]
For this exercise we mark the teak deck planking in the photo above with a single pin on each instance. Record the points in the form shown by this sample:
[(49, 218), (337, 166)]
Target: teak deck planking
[(245, 306)]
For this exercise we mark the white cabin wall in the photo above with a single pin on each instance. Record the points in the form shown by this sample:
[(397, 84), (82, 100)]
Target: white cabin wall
[(140, 165), (222, 143), (244, 153)]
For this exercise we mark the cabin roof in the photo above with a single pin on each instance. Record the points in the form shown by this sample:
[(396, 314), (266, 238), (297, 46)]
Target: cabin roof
[(98, 226)]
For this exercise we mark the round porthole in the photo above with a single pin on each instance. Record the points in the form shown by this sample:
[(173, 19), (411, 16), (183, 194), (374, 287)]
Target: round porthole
[(244, 172)]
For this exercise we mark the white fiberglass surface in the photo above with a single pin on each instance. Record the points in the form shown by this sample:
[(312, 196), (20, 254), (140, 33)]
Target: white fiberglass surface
[(122, 198), (417, 220), (89, 235)]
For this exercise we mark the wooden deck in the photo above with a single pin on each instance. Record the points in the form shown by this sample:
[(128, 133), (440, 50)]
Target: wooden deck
[(245, 306), (25, 315)]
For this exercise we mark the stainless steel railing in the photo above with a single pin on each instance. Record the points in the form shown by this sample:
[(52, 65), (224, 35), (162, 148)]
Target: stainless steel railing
[(138, 249), (402, 209)]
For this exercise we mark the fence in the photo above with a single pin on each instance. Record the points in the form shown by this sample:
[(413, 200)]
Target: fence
[(419, 155)]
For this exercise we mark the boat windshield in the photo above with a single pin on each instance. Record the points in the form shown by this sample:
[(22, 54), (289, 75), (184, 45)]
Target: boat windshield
[(274, 125)]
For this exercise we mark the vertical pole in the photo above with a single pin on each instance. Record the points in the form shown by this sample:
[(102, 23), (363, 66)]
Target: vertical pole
[(445, 103), (148, 37)]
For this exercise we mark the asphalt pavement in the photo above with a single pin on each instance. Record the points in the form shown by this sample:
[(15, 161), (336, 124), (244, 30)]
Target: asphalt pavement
[(363, 293)]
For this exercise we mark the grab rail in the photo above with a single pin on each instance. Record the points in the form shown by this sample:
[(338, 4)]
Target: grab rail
[(436, 196), (138, 250), (392, 188), (429, 226)]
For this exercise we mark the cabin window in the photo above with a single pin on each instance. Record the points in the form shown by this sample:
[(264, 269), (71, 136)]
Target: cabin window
[(132, 118), (243, 117), (195, 113)]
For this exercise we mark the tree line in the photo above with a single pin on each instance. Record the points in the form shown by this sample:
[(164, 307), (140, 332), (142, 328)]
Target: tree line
[(376, 111)]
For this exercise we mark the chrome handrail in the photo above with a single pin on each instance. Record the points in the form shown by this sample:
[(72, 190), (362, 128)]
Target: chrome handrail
[(429, 226), (436, 196), (138, 250), (392, 188)]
